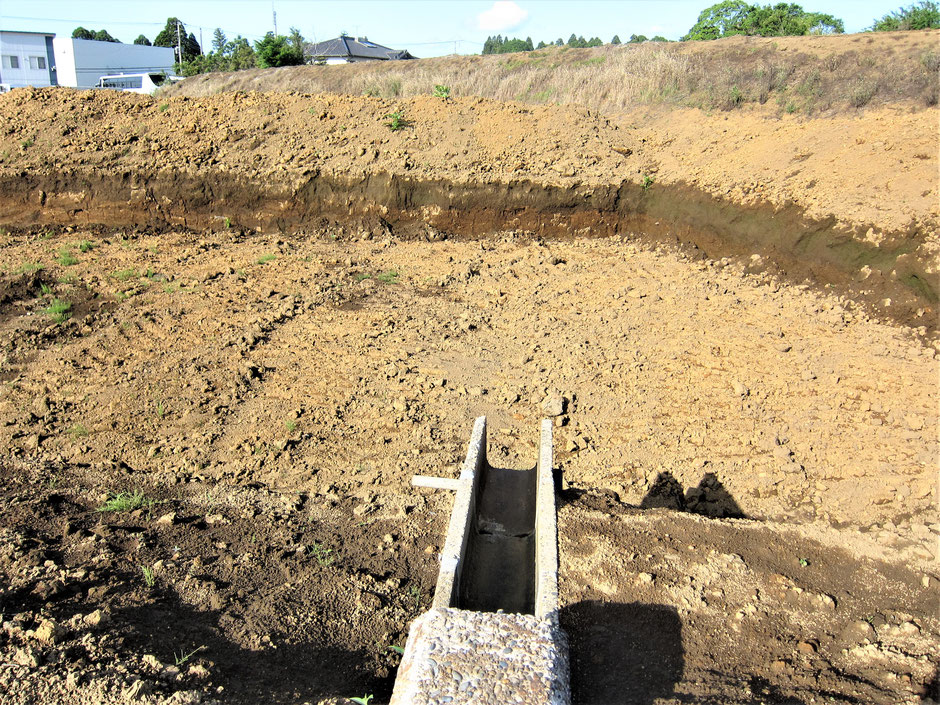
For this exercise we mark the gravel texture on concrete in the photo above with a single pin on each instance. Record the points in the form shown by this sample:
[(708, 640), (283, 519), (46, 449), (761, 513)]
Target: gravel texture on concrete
[(458, 656)]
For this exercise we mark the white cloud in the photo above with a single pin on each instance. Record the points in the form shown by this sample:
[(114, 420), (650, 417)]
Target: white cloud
[(504, 15)]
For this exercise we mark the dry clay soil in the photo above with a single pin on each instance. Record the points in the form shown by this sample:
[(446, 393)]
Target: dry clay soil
[(747, 465)]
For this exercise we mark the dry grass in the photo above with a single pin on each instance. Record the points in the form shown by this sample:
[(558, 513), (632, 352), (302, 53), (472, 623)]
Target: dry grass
[(792, 74)]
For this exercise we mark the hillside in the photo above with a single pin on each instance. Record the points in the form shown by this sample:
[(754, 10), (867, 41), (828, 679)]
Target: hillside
[(785, 75)]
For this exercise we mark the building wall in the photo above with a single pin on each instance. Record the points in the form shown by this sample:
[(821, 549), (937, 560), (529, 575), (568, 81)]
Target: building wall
[(81, 62), (25, 59)]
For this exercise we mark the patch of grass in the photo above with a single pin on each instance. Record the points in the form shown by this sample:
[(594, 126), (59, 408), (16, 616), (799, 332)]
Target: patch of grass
[(147, 572), (397, 121), (595, 61), (228, 223), (77, 431), (122, 275), (266, 258), (442, 92), (362, 276), (66, 258), (321, 554), (67, 279), (389, 277), (648, 181), (29, 268), (161, 410), (163, 107), (86, 246), (543, 96), (182, 657), (364, 700), (58, 310), (397, 649), (27, 143), (126, 502), (862, 92), (45, 289), (291, 425), (414, 593), (931, 61)]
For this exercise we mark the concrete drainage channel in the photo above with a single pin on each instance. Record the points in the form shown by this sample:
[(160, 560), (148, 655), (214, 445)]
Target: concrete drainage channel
[(492, 634)]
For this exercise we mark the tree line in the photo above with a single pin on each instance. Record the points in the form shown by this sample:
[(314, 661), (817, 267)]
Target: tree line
[(734, 17), (505, 45), (226, 55), (738, 17), (724, 19)]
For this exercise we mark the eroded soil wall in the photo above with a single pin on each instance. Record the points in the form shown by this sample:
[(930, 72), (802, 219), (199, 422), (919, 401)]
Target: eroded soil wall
[(779, 238)]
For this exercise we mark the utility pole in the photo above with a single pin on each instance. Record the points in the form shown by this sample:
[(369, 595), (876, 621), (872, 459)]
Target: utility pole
[(179, 43), (201, 52), (274, 12)]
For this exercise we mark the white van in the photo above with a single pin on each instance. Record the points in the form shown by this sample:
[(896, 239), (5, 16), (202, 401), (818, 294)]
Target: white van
[(146, 83)]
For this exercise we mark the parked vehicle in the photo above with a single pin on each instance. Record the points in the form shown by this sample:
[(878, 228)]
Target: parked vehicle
[(146, 83)]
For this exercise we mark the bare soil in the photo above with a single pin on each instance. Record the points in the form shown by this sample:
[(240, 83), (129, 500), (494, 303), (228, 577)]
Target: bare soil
[(273, 395), (806, 198), (252, 318)]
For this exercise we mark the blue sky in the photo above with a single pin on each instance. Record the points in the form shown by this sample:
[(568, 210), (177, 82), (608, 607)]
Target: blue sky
[(424, 27)]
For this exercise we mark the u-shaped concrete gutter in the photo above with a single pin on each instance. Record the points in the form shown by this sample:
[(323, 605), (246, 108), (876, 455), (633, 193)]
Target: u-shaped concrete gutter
[(492, 634)]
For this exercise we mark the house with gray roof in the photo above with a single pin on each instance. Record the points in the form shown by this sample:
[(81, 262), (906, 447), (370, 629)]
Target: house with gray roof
[(348, 50)]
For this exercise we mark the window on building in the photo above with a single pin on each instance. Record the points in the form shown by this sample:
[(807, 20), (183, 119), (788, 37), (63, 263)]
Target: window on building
[(11, 62), (37, 62)]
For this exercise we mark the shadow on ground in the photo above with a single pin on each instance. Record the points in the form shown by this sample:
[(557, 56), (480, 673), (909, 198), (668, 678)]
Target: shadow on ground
[(623, 653), (710, 498), (293, 672)]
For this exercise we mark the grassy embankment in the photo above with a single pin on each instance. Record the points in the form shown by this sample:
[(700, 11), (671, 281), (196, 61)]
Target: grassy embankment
[(796, 75)]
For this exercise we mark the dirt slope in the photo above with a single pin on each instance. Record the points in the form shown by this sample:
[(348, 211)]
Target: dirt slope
[(849, 201)]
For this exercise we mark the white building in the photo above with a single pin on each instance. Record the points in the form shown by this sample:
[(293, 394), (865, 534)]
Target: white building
[(26, 59), (79, 63), (42, 59)]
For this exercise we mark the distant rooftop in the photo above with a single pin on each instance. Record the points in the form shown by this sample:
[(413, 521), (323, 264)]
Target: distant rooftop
[(22, 31), (355, 48)]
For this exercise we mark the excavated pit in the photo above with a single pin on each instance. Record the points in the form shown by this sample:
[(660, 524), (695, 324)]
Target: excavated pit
[(785, 241)]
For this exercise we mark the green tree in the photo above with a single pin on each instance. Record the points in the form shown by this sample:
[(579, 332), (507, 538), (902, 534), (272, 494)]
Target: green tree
[(615, 40), (102, 35), (732, 17), (274, 51), (241, 55), (637, 39), (296, 40), (82, 33), (573, 40), (921, 15), (659, 38), (142, 41), (174, 35), (785, 19), (541, 45), (559, 42), (219, 41), (723, 19)]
